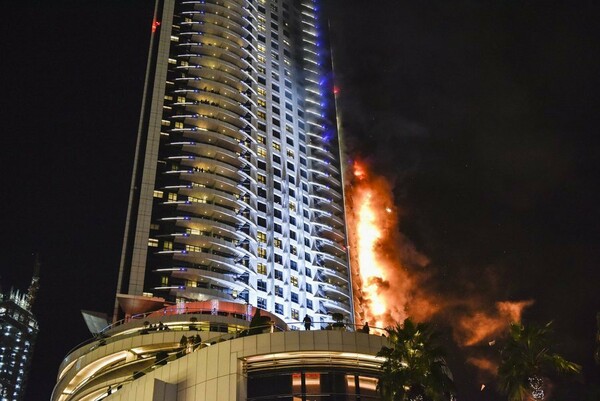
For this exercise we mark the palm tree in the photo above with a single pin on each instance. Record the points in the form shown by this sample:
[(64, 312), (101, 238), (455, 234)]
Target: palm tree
[(414, 368), (526, 363)]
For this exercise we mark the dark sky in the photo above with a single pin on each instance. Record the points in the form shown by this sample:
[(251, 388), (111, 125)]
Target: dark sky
[(483, 113)]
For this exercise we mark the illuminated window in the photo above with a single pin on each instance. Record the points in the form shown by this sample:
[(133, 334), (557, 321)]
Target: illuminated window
[(172, 61), (261, 237), (262, 152), (172, 197), (262, 252), (179, 124), (153, 242), (158, 194), (261, 268), (277, 243), (261, 102), (180, 99), (261, 139), (193, 248), (165, 123), (261, 114), (261, 91), (294, 281), (292, 206), (193, 231), (164, 280), (290, 153), (262, 59), (295, 314), (261, 48), (261, 178), (276, 146), (168, 246)]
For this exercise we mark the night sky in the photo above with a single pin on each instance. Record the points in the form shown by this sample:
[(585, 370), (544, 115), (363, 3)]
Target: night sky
[(483, 114)]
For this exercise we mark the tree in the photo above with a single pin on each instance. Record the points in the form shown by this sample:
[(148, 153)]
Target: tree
[(414, 368), (527, 362)]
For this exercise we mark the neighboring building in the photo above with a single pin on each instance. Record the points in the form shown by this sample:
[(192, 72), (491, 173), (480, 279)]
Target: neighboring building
[(236, 192), (18, 331)]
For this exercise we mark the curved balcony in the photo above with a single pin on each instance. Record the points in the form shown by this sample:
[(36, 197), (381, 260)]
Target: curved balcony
[(212, 63), (201, 137), (209, 259), (331, 272), (208, 86)]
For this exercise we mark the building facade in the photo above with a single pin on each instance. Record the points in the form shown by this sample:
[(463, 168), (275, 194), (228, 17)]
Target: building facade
[(208, 351), (18, 331), (236, 192)]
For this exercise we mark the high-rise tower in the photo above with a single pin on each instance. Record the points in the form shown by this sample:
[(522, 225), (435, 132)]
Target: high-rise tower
[(18, 331), (236, 192)]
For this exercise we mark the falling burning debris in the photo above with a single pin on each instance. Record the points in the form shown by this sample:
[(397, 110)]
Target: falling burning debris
[(388, 275)]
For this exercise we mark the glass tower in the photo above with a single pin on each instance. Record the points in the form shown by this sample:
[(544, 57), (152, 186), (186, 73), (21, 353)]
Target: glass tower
[(237, 191)]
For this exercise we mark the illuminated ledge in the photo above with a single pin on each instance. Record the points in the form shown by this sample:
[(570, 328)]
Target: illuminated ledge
[(314, 359)]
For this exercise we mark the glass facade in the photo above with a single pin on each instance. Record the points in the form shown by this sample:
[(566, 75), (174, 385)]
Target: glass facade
[(319, 385), (18, 330), (237, 190)]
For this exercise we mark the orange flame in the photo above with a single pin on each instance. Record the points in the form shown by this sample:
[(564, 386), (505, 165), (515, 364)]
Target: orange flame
[(388, 275), (378, 253)]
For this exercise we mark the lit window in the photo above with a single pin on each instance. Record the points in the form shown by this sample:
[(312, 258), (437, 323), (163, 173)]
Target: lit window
[(261, 114), (262, 252), (172, 197), (261, 139), (261, 236), (165, 123), (276, 146), (261, 102), (261, 268), (277, 243), (294, 281), (153, 242), (295, 314), (168, 246), (164, 280), (261, 48), (262, 152), (292, 207), (158, 194), (290, 153), (261, 178)]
